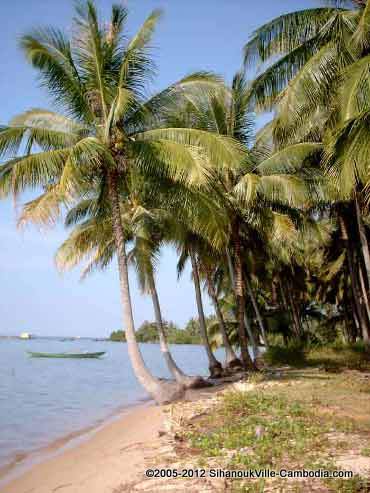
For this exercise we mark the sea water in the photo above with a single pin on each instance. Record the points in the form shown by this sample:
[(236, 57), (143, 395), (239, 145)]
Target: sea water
[(43, 400)]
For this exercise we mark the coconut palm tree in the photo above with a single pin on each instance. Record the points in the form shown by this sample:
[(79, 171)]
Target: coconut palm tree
[(326, 100), (188, 244), (209, 261), (146, 269), (305, 52), (144, 221), (260, 191), (105, 126)]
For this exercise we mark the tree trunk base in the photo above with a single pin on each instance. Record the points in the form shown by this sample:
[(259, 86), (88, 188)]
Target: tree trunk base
[(234, 365), (168, 392), (259, 362), (195, 383), (249, 366), (216, 370)]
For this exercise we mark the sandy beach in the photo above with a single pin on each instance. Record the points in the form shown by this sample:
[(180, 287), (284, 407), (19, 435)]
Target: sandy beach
[(112, 456)]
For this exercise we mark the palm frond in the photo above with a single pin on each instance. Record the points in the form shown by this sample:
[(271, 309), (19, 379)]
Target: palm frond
[(90, 38), (285, 33), (136, 66), (86, 158), (45, 210), (268, 85), (362, 35), (100, 260), (84, 209), (32, 171), (167, 158), (14, 139), (222, 151), (85, 242), (283, 228), (49, 51), (169, 102), (355, 89), (310, 87), (290, 159), (347, 154), (280, 188)]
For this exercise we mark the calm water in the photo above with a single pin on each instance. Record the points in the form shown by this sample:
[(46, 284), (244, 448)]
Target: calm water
[(42, 400)]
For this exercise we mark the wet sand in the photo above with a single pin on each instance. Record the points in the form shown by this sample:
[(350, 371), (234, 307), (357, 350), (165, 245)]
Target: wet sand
[(97, 462)]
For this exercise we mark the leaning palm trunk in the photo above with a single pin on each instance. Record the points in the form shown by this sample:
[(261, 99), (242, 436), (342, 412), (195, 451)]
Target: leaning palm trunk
[(243, 322), (162, 392), (295, 315), (283, 296), (361, 321), (215, 367), (180, 377), (363, 239), (231, 360), (256, 310), (365, 298), (357, 298)]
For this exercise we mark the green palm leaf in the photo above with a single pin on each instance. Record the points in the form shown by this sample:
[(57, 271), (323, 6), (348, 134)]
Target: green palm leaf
[(290, 159), (222, 151), (136, 66), (50, 52), (286, 33), (355, 89), (362, 35), (32, 171)]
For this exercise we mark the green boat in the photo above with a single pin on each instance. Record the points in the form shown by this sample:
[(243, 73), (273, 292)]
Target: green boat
[(65, 355)]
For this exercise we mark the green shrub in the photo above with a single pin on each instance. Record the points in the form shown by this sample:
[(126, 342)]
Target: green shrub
[(293, 355), (148, 333), (117, 336)]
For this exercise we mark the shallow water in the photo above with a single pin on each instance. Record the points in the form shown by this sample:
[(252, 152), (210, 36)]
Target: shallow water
[(42, 400)]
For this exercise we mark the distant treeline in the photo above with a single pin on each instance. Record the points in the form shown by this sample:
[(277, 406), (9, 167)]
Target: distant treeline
[(148, 332)]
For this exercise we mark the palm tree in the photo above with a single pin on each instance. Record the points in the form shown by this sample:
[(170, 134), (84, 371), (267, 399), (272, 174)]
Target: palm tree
[(324, 55), (152, 225), (99, 81), (188, 245), (183, 379), (259, 192), (207, 264), (93, 240), (305, 52)]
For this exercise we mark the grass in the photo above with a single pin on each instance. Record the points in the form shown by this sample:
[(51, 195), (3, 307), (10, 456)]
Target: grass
[(331, 357), (365, 452), (305, 420)]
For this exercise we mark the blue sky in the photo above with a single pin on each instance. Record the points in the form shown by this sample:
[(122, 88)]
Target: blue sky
[(193, 35)]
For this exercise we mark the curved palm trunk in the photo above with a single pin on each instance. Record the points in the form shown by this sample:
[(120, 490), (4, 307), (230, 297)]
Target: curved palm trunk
[(362, 320), (256, 310), (180, 377), (243, 322), (366, 300), (363, 239), (231, 359), (358, 298), (215, 367), (283, 296), (295, 316), (162, 392)]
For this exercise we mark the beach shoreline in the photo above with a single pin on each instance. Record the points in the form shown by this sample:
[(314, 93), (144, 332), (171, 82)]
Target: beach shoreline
[(89, 460)]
